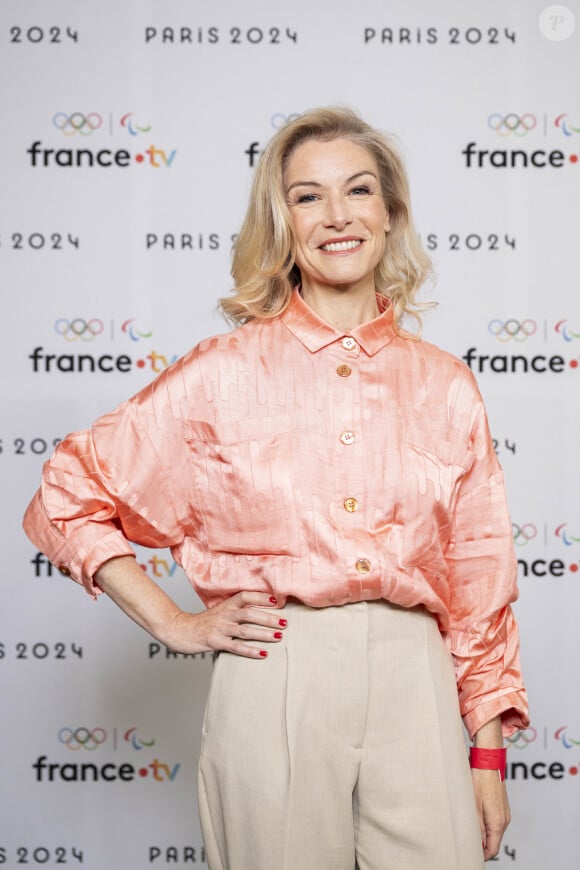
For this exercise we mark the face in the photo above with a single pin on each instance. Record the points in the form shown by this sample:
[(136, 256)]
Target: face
[(338, 214)]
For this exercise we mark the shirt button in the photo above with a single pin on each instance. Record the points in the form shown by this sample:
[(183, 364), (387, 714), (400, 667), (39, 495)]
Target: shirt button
[(348, 343), (347, 437), (351, 505), (363, 566), (343, 371), (64, 570)]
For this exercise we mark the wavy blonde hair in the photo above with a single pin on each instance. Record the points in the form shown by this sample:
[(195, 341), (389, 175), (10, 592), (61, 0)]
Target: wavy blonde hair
[(263, 263)]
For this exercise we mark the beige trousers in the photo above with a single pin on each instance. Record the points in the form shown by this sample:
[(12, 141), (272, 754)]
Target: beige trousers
[(343, 749)]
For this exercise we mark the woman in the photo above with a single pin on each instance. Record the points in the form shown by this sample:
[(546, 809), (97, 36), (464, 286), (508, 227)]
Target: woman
[(328, 483)]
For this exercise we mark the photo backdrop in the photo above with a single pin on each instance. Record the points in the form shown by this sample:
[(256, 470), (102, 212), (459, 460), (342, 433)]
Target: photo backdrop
[(130, 135)]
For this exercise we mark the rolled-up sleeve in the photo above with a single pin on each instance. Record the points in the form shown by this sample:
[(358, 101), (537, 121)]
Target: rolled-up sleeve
[(108, 486), (482, 634)]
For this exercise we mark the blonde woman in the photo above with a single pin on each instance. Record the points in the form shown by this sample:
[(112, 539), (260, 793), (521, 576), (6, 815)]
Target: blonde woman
[(328, 483)]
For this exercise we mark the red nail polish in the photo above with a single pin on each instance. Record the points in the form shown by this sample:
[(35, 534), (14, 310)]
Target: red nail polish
[(263, 653), (273, 600), (277, 635), (283, 622)]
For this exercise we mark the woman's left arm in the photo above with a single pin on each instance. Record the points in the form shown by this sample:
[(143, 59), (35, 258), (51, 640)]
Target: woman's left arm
[(481, 632), (482, 635), (490, 792)]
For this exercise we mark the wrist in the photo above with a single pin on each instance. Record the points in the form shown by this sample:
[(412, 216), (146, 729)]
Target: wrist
[(488, 759), (489, 736)]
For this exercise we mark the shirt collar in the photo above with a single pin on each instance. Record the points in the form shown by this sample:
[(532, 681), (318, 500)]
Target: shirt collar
[(315, 333)]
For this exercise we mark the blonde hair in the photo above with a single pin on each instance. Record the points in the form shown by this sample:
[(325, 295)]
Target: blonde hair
[(263, 266)]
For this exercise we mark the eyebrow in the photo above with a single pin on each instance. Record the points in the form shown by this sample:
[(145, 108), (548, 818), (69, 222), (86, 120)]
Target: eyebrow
[(316, 184)]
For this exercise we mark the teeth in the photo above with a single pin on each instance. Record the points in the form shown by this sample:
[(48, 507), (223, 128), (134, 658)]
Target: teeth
[(342, 246)]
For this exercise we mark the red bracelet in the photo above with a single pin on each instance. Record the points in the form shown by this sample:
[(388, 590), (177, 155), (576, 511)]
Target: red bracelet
[(488, 759)]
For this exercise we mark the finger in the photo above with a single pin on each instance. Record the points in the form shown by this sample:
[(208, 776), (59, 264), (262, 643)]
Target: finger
[(240, 648), (490, 851), (246, 598), (250, 631), (256, 616), (493, 842)]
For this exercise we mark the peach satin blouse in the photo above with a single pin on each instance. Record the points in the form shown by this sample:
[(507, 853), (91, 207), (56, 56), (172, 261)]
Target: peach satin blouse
[(289, 457)]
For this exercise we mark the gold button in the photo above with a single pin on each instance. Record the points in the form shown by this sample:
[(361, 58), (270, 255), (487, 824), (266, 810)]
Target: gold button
[(348, 343), (351, 505), (347, 437), (64, 570), (363, 566), (344, 371)]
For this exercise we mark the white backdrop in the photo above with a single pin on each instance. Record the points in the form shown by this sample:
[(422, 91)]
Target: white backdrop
[(129, 134)]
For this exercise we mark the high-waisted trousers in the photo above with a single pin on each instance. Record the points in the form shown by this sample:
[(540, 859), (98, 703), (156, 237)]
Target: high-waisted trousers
[(342, 749)]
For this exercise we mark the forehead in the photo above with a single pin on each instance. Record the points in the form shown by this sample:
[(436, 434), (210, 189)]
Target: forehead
[(316, 160)]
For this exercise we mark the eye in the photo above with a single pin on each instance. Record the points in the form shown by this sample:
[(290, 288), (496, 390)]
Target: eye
[(361, 190), (306, 197)]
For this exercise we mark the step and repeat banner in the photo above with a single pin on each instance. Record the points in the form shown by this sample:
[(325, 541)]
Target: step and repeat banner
[(130, 136)]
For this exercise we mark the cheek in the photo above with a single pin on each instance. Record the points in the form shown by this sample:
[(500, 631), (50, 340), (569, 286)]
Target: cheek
[(302, 233)]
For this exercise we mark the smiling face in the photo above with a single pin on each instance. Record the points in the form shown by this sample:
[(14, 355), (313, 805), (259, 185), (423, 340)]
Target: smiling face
[(338, 214)]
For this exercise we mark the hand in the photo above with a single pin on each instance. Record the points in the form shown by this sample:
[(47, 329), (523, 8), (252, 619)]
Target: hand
[(227, 625), (493, 809), (223, 627)]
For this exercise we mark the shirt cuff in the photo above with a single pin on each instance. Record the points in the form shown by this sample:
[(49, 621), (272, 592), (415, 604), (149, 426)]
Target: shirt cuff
[(511, 706)]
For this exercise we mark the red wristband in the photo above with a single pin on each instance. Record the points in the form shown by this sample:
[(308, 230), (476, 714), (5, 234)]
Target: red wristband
[(488, 759)]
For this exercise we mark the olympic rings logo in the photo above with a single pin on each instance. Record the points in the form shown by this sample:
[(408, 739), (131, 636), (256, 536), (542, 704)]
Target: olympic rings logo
[(523, 534), (519, 125), (69, 125), (278, 120), (82, 738), (71, 330), (522, 739), (518, 330)]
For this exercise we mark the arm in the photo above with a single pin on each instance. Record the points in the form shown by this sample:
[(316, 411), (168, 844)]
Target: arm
[(121, 481), (104, 488), (124, 481), (482, 635), (227, 626)]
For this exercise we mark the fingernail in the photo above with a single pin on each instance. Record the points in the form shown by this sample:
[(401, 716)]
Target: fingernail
[(277, 635), (283, 622), (263, 653), (273, 600)]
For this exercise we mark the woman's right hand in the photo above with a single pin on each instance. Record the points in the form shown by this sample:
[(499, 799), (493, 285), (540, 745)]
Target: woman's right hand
[(241, 624), (228, 626)]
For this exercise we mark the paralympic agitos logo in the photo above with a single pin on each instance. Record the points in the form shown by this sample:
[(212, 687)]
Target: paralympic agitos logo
[(514, 331), (86, 129), (519, 148)]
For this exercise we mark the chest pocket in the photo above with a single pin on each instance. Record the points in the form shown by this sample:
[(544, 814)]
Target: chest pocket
[(428, 504), (242, 483)]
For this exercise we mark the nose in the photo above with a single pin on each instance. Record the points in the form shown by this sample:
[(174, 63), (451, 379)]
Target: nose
[(337, 213)]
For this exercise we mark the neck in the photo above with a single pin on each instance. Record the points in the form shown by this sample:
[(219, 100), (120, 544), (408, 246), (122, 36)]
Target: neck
[(343, 307)]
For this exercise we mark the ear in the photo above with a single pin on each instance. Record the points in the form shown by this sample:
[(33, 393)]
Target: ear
[(387, 223)]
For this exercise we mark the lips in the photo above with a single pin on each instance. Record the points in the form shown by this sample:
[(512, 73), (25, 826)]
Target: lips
[(345, 245)]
